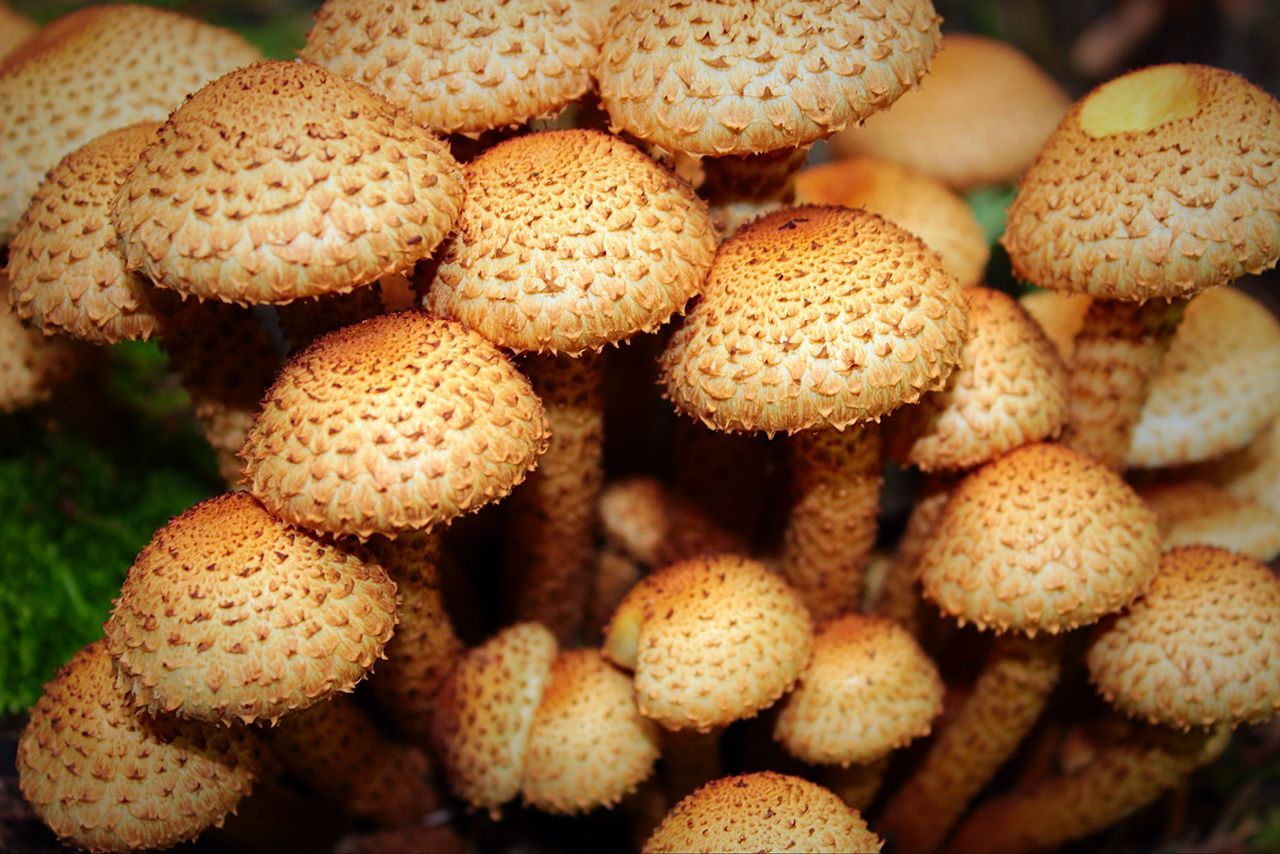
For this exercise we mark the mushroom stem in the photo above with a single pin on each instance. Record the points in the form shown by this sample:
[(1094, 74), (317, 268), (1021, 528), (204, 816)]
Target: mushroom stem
[(616, 572), (716, 500), (690, 760), (857, 785), (900, 598)]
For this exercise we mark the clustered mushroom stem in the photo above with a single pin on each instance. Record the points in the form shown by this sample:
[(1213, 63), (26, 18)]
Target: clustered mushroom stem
[(857, 785), (900, 598), (690, 760), (716, 504)]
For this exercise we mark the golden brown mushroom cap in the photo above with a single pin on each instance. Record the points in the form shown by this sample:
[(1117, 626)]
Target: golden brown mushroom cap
[(15, 28), (815, 316), (1200, 648), (400, 422), (1197, 513), (31, 363), (106, 777), (1061, 316), (282, 181)]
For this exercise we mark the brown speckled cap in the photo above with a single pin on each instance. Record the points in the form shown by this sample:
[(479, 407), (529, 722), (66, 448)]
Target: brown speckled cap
[(1200, 648), (402, 421), (31, 364), (1197, 513), (105, 777), (281, 181), (812, 317), (570, 240)]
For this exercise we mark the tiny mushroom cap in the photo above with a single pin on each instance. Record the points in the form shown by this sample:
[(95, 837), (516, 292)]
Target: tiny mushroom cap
[(230, 615), (979, 118), (105, 777), (711, 640), (1201, 647), (1042, 539), (31, 364), (283, 180), (92, 71), (15, 29), (486, 709), (66, 269), (869, 690), (762, 812), (402, 421), (634, 517), (811, 317), (589, 745), (1160, 183), (570, 240), (1061, 316), (752, 76), (463, 66), (1010, 390), (1197, 513)]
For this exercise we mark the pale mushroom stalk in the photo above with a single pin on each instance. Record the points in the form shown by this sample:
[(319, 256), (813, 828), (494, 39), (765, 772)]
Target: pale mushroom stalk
[(614, 574), (690, 759), (857, 785), (900, 598), (716, 502)]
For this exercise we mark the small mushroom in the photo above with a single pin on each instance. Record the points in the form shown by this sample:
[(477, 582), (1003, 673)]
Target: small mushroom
[(1194, 512), (32, 365)]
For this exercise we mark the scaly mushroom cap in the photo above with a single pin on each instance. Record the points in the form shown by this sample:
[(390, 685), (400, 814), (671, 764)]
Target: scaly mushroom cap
[(1160, 183), (869, 690), (1200, 648), (570, 240), (106, 777), (1042, 539), (14, 30), (711, 640), (736, 77), (1254, 471), (229, 615), (979, 117), (813, 317), (93, 71), (1010, 390), (1197, 513), (282, 181), (31, 363), (634, 517), (486, 709), (762, 812), (1214, 390), (461, 66), (1061, 316), (918, 203), (402, 421), (589, 745)]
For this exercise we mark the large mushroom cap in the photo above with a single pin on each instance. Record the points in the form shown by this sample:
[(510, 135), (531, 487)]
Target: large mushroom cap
[(31, 364), (739, 77), (815, 316), (570, 240), (1160, 183), (105, 777), (1042, 539), (463, 66), (1197, 513), (231, 615), (281, 181), (93, 71), (762, 812), (1202, 647), (400, 422)]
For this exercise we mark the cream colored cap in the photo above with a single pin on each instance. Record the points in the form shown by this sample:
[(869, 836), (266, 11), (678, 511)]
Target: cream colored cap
[(1197, 513), (1061, 316)]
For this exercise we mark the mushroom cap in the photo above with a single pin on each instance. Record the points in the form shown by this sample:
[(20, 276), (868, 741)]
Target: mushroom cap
[(815, 317), (281, 181), (66, 270), (979, 117), (753, 76), (1010, 389), (463, 66), (1254, 471), (589, 745), (106, 777), (15, 28), (918, 203), (1160, 183), (486, 709), (1042, 539), (570, 240), (762, 812), (92, 71), (230, 615), (1214, 390), (869, 690), (1200, 648), (712, 640), (1061, 316), (1197, 513), (31, 363), (634, 517), (399, 422)]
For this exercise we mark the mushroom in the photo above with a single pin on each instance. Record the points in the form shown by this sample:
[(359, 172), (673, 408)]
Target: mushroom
[(31, 364), (1253, 473), (1061, 316), (15, 29), (1192, 512)]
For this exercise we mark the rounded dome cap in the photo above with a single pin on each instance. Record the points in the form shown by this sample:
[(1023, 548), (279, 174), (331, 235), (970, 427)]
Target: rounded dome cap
[(400, 422), (282, 181), (570, 240), (1254, 471), (229, 615), (105, 777), (815, 317), (869, 690), (1042, 539), (737, 77), (1197, 513), (463, 66), (1061, 316), (1200, 648), (762, 812), (31, 364), (1160, 183)]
